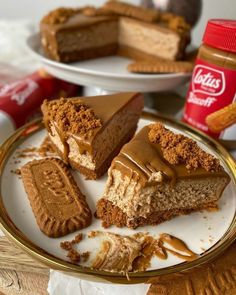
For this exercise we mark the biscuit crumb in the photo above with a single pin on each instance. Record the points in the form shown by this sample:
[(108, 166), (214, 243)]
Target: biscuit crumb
[(26, 152), (74, 256), (85, 256), (179, 149), (74, 117), (17, 171), (92, 234), (46, 148), (59, 15), (66, 245), (78, 238)]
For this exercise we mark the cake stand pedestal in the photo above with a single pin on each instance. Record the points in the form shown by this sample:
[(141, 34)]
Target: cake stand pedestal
[(108, 73)]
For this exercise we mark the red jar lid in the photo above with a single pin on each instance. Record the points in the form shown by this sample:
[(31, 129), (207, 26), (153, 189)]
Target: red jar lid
[(221, 34)]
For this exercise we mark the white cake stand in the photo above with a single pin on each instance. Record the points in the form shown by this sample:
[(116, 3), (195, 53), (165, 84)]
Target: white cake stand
[(105, 75)]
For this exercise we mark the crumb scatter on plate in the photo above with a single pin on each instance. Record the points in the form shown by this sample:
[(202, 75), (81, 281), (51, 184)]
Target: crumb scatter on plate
[(120, 253)]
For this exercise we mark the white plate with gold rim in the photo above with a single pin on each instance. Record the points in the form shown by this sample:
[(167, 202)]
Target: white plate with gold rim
[(205, 233), (109, 73)]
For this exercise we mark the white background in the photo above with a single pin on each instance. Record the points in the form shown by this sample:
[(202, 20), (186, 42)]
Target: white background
[(35, 9)]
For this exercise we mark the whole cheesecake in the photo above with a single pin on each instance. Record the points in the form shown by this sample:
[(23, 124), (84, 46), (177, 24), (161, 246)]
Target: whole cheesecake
[(159, 175), (88, 132), (69, 35)]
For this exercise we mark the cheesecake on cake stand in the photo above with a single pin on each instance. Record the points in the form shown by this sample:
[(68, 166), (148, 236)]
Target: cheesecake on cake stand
[(93, 47)]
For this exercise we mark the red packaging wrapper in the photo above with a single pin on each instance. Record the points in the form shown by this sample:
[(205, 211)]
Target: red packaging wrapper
[(21, 100), (213, 85)]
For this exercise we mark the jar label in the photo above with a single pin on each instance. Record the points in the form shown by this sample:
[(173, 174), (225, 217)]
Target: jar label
[(212, 88)]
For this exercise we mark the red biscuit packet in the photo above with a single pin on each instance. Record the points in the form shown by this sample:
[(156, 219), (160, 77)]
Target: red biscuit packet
[(20, 101)]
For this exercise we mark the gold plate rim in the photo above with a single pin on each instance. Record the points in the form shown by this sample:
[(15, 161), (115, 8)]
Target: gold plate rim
[(14, 234)]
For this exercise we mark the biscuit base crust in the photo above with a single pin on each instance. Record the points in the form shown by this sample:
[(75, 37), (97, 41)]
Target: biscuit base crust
[(136, 54), (113, 215), (78, 55)]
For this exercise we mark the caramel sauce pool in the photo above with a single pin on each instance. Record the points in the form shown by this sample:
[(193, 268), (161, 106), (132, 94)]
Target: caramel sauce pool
[(157, 247), (177, 245)]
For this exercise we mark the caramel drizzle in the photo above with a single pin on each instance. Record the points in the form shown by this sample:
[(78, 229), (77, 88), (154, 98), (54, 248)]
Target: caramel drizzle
[(142, 262), (152, 247), (178, 245), (140, 159)]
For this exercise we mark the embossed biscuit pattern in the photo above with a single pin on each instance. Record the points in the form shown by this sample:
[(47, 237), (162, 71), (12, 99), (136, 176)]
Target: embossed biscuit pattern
[(57, 203)]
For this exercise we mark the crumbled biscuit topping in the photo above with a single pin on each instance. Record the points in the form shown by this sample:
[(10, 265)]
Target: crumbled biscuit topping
[(179, 149), (74, 256), (74, 117), (78, 238), (66, 245), (46, 148), (178, 24), (59, 15)]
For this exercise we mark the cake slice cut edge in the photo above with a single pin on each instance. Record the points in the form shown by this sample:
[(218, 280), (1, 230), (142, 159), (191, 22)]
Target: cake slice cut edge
[(88, 139), (144, 188)]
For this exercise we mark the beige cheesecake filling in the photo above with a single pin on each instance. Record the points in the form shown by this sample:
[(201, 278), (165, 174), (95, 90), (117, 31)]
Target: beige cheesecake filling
[(149, 39), (84, 159), (135, 200)]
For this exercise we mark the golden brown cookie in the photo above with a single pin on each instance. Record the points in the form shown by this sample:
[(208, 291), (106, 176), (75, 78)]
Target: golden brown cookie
[(126, 9), (222, 118), (57, 203), (159, 66)]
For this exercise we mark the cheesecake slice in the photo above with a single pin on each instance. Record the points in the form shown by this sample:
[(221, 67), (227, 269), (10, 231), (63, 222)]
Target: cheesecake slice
[(159, 175), (88, 132)]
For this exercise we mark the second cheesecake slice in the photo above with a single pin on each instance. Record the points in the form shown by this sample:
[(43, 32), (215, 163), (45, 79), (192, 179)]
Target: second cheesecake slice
[(89, 132), (159, 175)]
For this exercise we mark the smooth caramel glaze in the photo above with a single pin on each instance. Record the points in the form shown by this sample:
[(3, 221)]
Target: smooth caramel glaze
[(104, 107), (78, 20), (157, 247), (140, 158)]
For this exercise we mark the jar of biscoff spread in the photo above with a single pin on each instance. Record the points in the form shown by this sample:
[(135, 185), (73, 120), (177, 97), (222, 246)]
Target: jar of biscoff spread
[(211, 99)]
